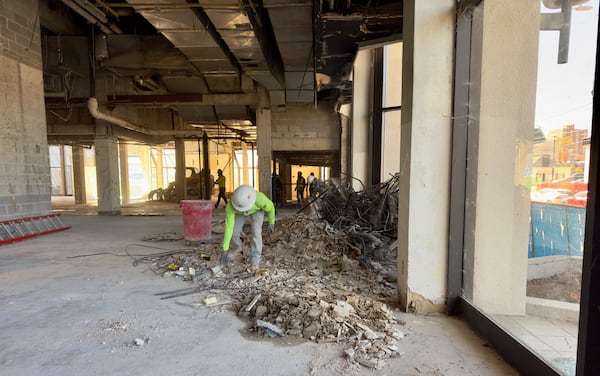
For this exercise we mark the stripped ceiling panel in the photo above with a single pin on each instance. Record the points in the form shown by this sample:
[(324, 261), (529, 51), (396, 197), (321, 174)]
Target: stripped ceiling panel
[(301, 51)]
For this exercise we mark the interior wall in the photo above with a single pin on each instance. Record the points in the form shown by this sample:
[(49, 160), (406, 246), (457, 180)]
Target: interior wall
[(25, 187), (301, 127)]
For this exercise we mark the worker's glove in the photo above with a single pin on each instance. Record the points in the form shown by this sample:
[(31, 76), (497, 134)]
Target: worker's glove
[(270, 229), (225, 257)]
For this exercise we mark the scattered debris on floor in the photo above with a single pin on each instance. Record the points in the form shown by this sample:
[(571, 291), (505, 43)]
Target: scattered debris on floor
[(309, 286), (325, 276)]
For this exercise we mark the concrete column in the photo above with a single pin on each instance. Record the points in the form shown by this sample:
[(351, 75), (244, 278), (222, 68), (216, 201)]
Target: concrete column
[(504, 55), (423, 205), (345, 154), (24, 163), (79, 175), (263, 141), (208, 182), (180, 188), (107, 175), (160, 180), (285, 174), (124, 170), (361, 118), (245, 164)]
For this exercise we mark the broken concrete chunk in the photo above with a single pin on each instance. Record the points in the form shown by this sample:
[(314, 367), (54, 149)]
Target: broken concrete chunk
[(260, 311), (368, 332), (312, 330), (216, 270), (363, 360), (342, 310), (324, 304), (313, 313), (349, 353), (397, 334), (210, 300)]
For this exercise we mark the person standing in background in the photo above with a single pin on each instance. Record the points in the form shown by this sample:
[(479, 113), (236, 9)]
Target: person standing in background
[(221, 182), (311, 188), (300, 185)]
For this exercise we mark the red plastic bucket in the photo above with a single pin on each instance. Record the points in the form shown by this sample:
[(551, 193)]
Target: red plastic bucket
[(197, 216)]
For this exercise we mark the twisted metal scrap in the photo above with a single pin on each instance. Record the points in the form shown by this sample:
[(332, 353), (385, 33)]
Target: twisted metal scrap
[(368, 217)]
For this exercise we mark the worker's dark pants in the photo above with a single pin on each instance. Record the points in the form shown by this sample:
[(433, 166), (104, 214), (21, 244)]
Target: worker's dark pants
[(221, 195), (300, 195)]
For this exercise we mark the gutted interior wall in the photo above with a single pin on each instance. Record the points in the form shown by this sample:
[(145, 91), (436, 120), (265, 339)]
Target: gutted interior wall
[(24, 162), (300, 127), (423, 201)]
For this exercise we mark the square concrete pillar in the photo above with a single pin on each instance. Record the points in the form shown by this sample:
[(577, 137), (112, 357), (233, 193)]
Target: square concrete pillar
[(504, 55), (79, 175), (263, 142), (107, 175), (426, 125)]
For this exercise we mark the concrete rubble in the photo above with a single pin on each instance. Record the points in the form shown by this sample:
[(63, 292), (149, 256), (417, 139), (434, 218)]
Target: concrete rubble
[(309, 286)]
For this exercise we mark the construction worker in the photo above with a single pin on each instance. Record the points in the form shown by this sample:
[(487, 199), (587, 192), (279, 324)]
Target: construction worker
[(246, 202), (221, 182), (300, 185)]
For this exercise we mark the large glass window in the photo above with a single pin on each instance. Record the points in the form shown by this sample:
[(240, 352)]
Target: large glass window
[(529, 125)]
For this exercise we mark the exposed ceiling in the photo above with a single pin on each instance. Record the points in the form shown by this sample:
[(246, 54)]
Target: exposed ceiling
[(204, 58)]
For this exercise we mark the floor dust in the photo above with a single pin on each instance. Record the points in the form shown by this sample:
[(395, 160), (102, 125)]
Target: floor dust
[(101, 315)]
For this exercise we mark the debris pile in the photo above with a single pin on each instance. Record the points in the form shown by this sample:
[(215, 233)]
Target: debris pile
[(369, 218), (310, 287)]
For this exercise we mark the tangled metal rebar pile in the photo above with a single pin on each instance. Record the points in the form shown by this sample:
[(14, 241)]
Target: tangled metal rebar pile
[(369, 218)]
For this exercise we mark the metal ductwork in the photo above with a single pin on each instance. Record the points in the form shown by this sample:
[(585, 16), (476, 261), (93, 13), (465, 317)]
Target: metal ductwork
[(93, 15), (97, 114)]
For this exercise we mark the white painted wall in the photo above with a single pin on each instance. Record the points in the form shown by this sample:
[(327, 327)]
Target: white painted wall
[(427, 92)]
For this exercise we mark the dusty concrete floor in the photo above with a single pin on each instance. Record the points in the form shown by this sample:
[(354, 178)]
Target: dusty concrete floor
[(80, 316)]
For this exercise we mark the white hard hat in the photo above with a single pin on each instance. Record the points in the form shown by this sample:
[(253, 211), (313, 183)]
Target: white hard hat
[(243, 198)]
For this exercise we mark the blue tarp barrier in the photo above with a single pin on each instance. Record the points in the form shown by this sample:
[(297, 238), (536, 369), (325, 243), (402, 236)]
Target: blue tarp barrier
[(556, 230)]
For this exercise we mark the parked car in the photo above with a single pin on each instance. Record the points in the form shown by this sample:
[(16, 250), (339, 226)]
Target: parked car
[(555, 195), (578, 199)]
